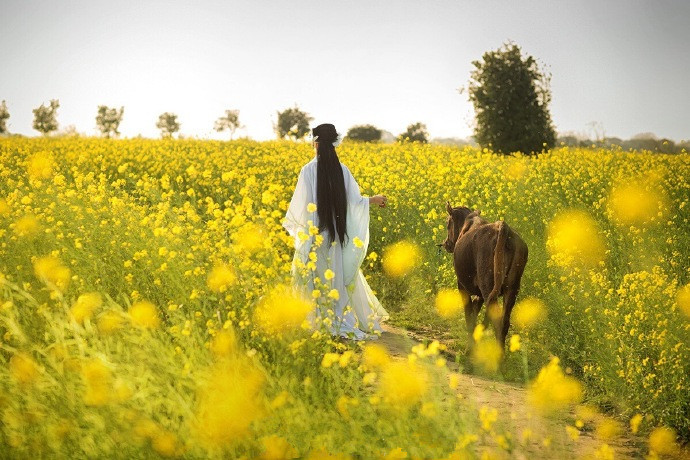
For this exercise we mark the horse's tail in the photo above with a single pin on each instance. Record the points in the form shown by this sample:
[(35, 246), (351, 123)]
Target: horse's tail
[(499, 265)]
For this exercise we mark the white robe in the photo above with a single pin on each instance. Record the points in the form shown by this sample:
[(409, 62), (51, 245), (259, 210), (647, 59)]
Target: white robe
[(354, 291)]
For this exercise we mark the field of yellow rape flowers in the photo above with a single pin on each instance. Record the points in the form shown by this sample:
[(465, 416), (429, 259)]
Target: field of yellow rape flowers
[(145, 306)]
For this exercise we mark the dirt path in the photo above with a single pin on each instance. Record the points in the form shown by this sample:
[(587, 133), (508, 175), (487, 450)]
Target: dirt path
[(510, 402)]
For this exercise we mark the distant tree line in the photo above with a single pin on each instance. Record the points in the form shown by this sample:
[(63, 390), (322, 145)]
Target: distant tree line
[(642, 141)]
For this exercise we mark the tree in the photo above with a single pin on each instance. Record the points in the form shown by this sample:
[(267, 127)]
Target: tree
[(4, 115), (229, 122), (292, 123), (168, 124), (415, 133), (364, 133), (108, 120), (45, 118), (511, 96)]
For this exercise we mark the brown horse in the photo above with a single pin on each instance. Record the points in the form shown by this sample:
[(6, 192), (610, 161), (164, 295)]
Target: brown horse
[(489, 259)]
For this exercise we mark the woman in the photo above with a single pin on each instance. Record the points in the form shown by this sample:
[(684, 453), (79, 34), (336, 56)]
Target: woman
[(327, 197)]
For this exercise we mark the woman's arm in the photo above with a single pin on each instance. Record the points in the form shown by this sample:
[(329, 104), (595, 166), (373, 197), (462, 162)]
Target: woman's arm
[(379, 200)]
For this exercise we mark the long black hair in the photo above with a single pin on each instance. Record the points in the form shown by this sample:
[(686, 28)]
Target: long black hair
[(331, 199)]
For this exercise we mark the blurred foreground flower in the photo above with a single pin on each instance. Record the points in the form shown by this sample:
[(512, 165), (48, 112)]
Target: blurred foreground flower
[(662, 441), (221, 278), (224, 343), (552, 390), (637, 202), (450, 302), (250, 237), (40, 166), (144, 314), (23, 368), (487, 354), (277, 448), (50, 270), (97, 378), (683, 299), (528, 312), (27, 226), (375, 356), (281, 310), (403, 383), (573, 239), (400, 258), (85, 305), (229, 401)]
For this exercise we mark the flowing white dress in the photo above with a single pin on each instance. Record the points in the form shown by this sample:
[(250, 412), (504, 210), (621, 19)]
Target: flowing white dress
[(365, 312)]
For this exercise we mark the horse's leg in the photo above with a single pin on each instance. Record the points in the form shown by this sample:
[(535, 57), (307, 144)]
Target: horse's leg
[(508, 302)]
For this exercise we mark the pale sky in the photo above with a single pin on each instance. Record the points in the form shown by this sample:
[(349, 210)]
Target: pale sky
[(624, 64)]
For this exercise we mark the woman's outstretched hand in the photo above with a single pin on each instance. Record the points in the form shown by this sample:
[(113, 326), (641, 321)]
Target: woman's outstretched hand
[(380, 200)]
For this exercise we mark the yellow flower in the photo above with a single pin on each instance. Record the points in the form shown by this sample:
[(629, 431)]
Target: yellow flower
[(487, 416), (109, 322), (334, 294), (573, 239), (229, 400), (662, 440), (40, 166), (400, 258), (144, 314), (328, 274), (97, 378), (4, 207), (487, 354), (357, 242), (635, 423), (85, 305), (280, 400), (396, 454), (165, 443), (403, 383), (23, 368), (250, 237), (552, 390), (277, 448), (27, 226), (573, 433), (450, 302), (224, 343), (528, 312), (375, 356), (608, 428), (329, 359), (478, 332), (220, 278), (636, 202), (683, 299), (454, 380), (514, 343), (311, 207), (50, 270), (281, 310)]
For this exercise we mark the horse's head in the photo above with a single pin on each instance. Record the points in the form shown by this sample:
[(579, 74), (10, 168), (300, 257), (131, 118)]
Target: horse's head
[(454, 224)]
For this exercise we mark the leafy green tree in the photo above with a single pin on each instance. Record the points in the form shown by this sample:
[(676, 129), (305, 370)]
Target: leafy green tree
[(108, 120), (168, 124), (364, 133), (511, 97), (229, 122), (292, 123), (416, 132), (4, 115), (45, 118)]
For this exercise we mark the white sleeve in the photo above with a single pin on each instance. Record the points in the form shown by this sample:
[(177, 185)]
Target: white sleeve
[(297, 216), (357, 227)]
